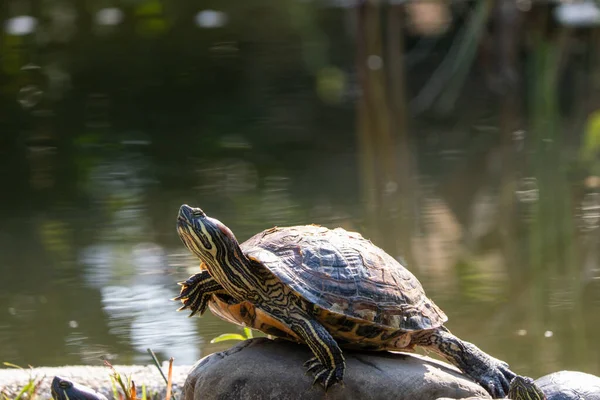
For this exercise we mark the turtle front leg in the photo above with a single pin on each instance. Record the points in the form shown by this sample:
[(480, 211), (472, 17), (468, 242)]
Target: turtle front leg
[(328, 365), (196, 291), (489, 372)]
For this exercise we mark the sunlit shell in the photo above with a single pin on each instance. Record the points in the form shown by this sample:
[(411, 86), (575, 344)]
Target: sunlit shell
[(346, 275)]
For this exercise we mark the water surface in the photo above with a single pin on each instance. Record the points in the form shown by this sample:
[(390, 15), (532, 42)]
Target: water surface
[(487, 189)]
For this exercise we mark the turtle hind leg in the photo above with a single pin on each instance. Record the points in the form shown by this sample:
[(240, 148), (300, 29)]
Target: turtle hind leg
[(196, 291), (489, 372)]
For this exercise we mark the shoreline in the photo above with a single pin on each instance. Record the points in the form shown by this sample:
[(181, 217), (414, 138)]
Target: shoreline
[(12, 380)]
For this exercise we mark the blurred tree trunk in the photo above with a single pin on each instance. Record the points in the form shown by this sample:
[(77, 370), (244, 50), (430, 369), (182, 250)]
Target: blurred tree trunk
[(384, 149), (406, 189), (512, 131)]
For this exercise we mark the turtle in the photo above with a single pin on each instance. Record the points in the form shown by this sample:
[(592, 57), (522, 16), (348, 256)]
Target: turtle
[(326, 288), (562, 385), (64, 389)]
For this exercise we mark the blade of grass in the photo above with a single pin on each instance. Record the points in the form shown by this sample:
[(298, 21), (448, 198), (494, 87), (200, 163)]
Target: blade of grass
[(157, 364), (36, 387), (114, 387), (22, 392), (117, 377), (130, 383), (29, 390), (149, 350), (12, 365), (132, 391), (228, 336), (170, 379)]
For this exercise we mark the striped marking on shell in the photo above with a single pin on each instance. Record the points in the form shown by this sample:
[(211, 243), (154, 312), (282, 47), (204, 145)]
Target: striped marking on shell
[(344, 273)]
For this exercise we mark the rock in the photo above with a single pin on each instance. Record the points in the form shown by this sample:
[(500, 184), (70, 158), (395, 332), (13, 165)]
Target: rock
[(273, 369)]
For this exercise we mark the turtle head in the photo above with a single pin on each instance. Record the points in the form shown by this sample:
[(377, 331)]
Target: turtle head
[(524, 388), (204, 236), (63, 389)]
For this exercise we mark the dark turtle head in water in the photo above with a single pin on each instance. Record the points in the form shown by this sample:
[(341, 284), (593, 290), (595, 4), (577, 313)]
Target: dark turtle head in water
[(64, 389), (524, 388)]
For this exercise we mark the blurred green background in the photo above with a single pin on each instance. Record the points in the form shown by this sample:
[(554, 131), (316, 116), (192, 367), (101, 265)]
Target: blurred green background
[(461, 136)]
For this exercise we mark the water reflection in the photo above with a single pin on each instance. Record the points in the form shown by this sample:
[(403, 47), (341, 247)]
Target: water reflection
[(135, 294), (128, 258), (144, 315)]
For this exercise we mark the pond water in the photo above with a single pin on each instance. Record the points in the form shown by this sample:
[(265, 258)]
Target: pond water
[(488, 189)]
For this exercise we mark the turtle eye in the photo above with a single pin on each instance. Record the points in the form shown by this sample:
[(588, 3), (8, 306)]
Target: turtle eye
[(198, 213), (65, 384)]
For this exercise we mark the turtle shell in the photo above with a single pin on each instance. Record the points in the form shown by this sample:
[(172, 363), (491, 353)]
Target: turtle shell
[(570, 385), (346, 275)]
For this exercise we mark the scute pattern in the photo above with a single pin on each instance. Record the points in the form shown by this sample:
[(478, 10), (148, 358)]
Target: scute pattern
[(344, 273), (570, 385)]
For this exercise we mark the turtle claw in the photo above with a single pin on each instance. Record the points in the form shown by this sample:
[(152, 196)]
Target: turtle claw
[(313, 368), (311, 361), (497, 381), (325, 376), (193, 306), (312, 364), (192, 295), (187, 306)]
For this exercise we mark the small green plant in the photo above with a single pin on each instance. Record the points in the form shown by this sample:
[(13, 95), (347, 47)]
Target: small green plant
[(234, 336), (30, 389), (128, 386)]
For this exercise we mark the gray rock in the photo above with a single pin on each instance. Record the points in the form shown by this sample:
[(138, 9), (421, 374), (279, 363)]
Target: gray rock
[(266, 369)]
